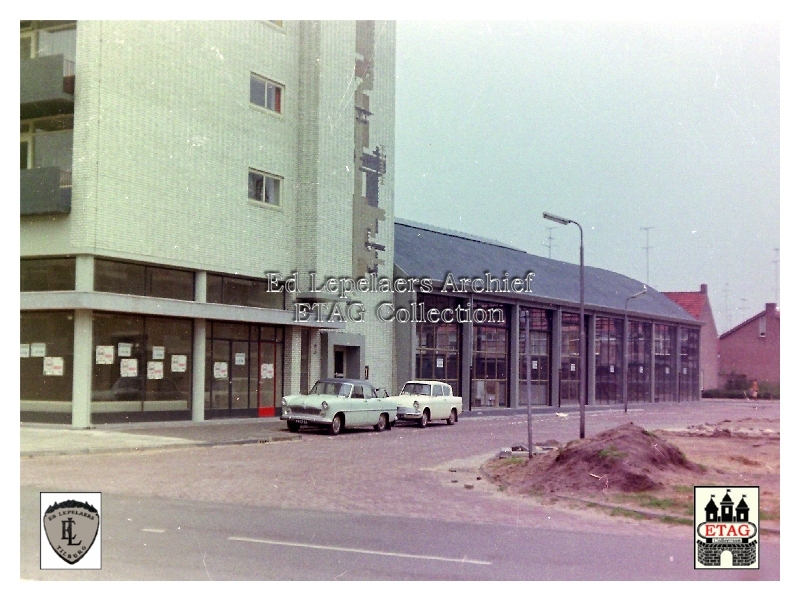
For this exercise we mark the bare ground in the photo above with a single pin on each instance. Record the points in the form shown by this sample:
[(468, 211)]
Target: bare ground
[(637, 473)]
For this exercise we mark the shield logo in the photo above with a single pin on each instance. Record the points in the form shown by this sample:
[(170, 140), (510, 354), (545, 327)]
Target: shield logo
[(71, 528)]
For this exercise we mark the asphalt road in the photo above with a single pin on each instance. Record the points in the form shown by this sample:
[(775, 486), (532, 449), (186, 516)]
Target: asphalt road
[(157, 539), (404, 504)]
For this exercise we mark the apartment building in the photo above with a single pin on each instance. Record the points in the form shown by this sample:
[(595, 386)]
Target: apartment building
[(167, 170)]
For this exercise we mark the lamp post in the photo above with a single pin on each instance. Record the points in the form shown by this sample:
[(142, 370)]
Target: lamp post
[(625, 336), (582, 341)]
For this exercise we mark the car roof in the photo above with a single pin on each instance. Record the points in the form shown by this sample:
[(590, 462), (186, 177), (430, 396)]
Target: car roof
[(433, 381), (344, 380)]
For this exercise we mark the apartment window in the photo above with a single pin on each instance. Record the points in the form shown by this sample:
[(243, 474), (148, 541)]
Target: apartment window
[(47, 38), (263, 188), (265, 93)]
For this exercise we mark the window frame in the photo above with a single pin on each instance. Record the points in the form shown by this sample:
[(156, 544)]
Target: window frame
[(280, 94), (278, 188)]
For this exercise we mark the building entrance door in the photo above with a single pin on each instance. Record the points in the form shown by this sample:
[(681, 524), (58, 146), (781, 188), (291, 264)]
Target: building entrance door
[(244, 376)]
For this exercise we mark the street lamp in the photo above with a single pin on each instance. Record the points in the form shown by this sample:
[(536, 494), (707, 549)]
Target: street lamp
[(626, 335), (582, 341)]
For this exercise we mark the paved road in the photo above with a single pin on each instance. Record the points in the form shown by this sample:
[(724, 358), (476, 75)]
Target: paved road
[(398, 492), (152, 538)]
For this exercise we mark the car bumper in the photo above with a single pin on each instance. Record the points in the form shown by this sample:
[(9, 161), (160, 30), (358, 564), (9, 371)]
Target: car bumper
[(306, 419), (408, 413)]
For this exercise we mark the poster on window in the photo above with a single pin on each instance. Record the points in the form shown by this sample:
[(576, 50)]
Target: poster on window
[(104, 355), (572, 367), (53, 366), (158, 352), (128, 367), (24, 350), (641, 369), (611, 368), (38, 350), (667, 370), (155, 369), (267, 371), (124, 349), (239, 358), (684, 370), (220, 370), (439, 363), (178, 363), (534, 365)]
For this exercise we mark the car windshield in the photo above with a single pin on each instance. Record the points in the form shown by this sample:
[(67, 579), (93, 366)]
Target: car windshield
[(334, 388), (416, 389)]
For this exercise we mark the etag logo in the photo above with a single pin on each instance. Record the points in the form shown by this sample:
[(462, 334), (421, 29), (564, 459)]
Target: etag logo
[(726, 527)]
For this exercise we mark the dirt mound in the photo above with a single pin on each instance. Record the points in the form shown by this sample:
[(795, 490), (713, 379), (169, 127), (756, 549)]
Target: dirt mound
[(623, 459)]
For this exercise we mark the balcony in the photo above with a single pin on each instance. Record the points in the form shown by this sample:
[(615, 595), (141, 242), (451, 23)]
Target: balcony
[(45, 191), (47, 87)]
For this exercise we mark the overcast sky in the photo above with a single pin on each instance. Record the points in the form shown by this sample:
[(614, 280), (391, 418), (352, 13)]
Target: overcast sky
[(617, 126)]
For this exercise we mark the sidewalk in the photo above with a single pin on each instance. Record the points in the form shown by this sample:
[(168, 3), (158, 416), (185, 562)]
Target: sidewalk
[(38, 439)]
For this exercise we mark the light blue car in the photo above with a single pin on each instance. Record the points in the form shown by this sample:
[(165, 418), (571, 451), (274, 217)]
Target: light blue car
[(338, 403)]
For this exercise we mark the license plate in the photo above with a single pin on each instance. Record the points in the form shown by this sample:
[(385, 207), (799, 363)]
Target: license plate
[(301, 421)]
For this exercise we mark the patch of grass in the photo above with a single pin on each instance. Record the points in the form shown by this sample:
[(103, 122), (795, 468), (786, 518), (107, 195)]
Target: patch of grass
[(683, 489), (768, 516), (676, 521), (502, 488), (663, 503), (624, 512), (514, 461), (612, 453)]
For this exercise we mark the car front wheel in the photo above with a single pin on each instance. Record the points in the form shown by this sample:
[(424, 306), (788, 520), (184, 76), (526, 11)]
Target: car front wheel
[(336, 425), (423, 422), (383, 422)]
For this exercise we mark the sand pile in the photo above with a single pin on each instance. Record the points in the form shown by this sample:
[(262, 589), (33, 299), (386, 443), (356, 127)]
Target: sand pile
[(623, 459)]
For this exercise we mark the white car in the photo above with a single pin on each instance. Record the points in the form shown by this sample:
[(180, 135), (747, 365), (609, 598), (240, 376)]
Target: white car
[(423, 401)]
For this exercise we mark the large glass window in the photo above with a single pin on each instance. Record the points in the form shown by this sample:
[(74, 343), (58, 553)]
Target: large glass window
[(664, 340), (142, 280), (46, 274), (689, 374), (244, 369), (45, 363), (639, 348), (438, 345), (141, 364), (47, 38), (539, 343), (265, 93), (490, 359), (608, 360), (569, 373), (222, 289)]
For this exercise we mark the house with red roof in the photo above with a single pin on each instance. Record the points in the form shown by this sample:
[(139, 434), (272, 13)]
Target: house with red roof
[(752, 350), (698, 305)]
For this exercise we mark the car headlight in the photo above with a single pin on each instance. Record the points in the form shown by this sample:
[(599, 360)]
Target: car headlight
[(416, 404), (283, 401), (324, 405)]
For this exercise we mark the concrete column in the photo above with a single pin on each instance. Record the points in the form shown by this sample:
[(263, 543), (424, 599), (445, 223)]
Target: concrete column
[(591, 360), (199, 353), (555, 358), (314, 362), (652, 362), (199, 370), (513, 367), (84, 273), (82, 351), (466, 362), (676, 363), (293, 341), (83, 356)]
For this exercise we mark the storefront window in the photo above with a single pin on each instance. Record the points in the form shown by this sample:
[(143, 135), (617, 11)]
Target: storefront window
[(142, 280), (569, 373), (490, 359), (240, 291), (141, 365), (664, 340), (689, 373), (539, 356), (46, 342), (639, 348), (608, 360), (438, 345)]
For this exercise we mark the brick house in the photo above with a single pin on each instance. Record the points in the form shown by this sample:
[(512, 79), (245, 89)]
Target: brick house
[(698, 305), (752, 350)]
